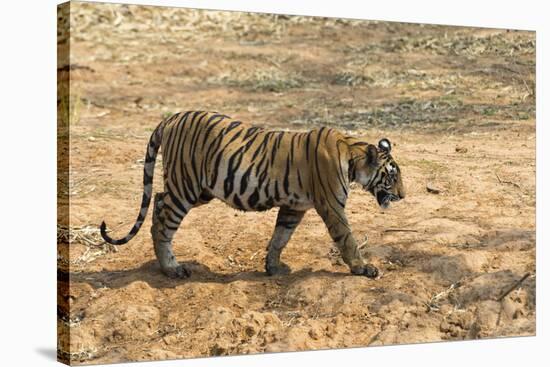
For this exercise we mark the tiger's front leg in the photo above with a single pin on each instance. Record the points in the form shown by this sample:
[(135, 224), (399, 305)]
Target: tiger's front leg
[(287, 221), (339, 230)]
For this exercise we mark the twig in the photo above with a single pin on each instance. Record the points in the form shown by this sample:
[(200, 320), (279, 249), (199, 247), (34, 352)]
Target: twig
[(529, 90), (399, 230), (375, 337), (254, 255), (433, 303), (507, 182), (514, 286)]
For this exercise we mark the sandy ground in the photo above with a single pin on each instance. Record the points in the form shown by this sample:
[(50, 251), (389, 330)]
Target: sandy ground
[(458, 105)]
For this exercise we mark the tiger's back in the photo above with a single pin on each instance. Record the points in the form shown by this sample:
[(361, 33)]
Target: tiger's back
[(248, 167)]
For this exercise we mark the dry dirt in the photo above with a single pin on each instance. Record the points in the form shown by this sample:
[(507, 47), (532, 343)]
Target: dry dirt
[(458, 105)]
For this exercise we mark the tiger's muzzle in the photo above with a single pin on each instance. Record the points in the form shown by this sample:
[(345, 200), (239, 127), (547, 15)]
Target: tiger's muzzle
[(384, 198)]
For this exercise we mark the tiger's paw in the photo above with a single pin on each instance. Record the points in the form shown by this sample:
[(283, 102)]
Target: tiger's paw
[(281, 269), (177, 272), (368, 270)]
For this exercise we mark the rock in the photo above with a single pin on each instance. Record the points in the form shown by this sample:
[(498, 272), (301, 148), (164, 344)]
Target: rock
[(457, 324), (486, 316), (159, 354), (170, 339), (431, 189), (509, 308), (316, 332)]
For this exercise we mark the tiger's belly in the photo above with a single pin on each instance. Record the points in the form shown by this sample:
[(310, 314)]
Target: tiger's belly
[(256, 197)]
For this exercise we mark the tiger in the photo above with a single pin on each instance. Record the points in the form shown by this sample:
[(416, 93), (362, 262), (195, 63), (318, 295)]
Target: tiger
[(209, 155)]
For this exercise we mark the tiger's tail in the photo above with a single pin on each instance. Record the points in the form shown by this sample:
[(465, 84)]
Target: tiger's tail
[(148, 170)]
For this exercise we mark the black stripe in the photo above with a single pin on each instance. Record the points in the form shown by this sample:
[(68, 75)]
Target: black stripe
[(280, 138), (277, 196), (146, 178), (219, 157), (216, 170), (134, 229), (173, 137), (238, 203), (212, 148), (253, 199), (232, 125), (274, 150), (198, 128), (145, 200), (232, 167), (150, 158), (173, 179), (318, 171), (188, 190), (173, 216), (211, 127), (250, 131), (307, 145), (286, 179), (260, 164), (234, 137), (287, 224), (339, 237), (245, 178), (250, 142), (292, 148), (262, 177), (341, 176), (172, 228), (267, 189), (193, 148), (177, 202), (261, 147)]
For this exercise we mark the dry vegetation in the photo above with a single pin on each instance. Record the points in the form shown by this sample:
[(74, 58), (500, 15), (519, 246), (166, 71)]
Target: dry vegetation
[(457, 256)]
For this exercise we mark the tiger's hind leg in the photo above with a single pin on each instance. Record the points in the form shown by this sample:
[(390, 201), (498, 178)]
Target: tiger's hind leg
[(166, 221), (287, 221)]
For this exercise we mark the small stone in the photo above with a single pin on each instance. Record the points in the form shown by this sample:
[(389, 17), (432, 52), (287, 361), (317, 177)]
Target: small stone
[(170, 339), (432, 190), (316, 332)]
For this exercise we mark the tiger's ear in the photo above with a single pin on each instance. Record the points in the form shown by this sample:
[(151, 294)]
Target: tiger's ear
[(372, 155), (385, 145)]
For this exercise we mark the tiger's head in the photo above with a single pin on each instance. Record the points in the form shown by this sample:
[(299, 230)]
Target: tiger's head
[(379, 174)]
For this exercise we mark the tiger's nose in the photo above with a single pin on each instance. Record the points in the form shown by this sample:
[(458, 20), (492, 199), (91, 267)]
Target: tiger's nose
[(401, 194)]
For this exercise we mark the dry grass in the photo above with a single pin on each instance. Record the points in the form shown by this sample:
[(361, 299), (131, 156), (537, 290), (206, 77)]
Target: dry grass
[(85, 235), (460, 43), (88, 236), (77, 356), (69, 105), (266, 80)]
